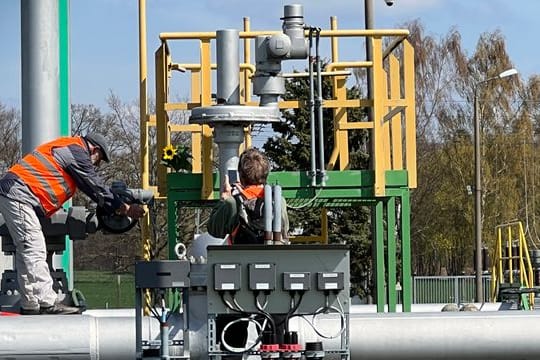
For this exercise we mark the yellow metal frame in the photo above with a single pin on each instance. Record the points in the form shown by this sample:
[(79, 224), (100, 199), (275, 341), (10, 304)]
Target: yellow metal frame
[(507, 235), (320, 239), (392, 126)]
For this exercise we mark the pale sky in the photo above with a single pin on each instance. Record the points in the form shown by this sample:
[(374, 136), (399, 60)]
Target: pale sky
[(104, 34)]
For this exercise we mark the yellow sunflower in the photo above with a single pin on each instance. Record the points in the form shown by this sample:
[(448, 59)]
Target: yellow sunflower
[(169, 152)]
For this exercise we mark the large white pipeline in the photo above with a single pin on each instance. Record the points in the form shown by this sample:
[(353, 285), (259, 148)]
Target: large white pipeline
[(67, 337), (459, 335)]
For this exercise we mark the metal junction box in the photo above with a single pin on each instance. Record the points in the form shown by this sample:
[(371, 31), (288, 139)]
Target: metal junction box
[(227, 277), (162, 274), (262, 276), (296, 281), (277, 270)]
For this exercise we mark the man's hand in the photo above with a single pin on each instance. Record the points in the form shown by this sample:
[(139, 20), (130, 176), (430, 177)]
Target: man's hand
[(133, 211), (226, 192)]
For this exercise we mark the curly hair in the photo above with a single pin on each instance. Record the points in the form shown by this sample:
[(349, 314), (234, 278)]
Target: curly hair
[(253, 167)]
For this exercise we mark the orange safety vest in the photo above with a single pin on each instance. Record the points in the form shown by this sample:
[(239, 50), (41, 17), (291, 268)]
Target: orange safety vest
[(47, 180)]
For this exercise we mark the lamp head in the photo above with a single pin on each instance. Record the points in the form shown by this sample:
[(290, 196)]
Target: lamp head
[(507, 73)]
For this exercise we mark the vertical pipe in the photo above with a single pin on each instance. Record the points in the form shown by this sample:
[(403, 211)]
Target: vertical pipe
[(456, 291), (247, 81), (368, 18), (143, 101), (65, 113), (247, 60), (368, 24), (164, 336), (319, 104), (227, 58), (138, 323), (277, 214), (510, 256), (143, 141), (416, 298), (185, 323), (206, 100), (228, 138), (40, 72), (312, 112), (477, 200), (406, 250), (391, 253), (40, 87), (63, 28), (268, 211), (379, 255), (143, 131)]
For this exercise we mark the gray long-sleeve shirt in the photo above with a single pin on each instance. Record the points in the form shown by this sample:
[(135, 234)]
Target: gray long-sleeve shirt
[(75, 160)]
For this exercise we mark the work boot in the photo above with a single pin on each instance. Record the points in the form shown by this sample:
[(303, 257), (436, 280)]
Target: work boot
[(29, 311), (59, 309)]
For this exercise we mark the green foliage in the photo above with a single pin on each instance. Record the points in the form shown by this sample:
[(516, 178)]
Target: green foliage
[(442, 225)]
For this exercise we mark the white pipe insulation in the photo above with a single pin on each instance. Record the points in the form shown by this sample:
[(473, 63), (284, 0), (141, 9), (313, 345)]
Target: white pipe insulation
[(68, 337), (446, 335)]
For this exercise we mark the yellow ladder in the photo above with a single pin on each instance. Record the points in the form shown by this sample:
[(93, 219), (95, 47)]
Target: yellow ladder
[(511, 234)]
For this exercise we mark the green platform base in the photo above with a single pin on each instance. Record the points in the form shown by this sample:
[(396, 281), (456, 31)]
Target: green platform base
[(342, 189)]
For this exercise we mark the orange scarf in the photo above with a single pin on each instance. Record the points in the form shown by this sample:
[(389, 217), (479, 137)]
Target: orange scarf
[(253, 192)]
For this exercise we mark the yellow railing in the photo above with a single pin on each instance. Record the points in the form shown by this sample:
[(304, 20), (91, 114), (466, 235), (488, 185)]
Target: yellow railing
[(392, 124), (511, 235)]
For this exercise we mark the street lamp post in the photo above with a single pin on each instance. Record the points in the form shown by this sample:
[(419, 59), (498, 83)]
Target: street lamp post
[(478, 184)]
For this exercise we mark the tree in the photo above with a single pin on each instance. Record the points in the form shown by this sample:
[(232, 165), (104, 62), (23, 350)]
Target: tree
[(10, 127), (442, 215)]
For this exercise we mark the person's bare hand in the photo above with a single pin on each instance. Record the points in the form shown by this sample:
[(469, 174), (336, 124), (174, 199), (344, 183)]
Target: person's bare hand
[(133, 211), (226, 192)]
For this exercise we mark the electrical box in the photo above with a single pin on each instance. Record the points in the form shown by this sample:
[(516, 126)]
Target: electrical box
[(281, 270), (330, 281), (262, 276), (227, 277), (162, 274), (296, 281)]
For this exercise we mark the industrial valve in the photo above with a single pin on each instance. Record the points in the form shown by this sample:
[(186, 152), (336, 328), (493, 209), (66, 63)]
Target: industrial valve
[(118, 224), (270, 51)]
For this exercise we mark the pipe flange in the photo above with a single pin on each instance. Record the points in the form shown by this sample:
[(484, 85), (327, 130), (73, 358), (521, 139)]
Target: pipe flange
[(234, 114)]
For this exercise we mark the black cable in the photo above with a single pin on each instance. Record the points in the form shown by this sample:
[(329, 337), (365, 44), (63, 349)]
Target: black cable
[(154, 312), (257, 341), (236, 308), (326, 306), (265, 313), (322, 310), (293, 308), (229, 305)]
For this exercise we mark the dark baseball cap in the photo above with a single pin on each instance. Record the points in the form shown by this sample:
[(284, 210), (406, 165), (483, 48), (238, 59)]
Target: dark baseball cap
[(99, 140)]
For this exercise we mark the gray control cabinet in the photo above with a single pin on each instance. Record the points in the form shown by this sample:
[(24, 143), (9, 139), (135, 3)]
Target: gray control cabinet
[(242, 276), (274, 269)]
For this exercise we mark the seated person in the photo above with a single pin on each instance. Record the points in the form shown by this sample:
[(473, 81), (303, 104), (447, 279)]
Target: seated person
[(248, 195)]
